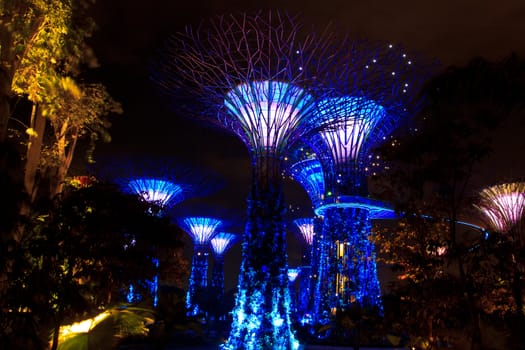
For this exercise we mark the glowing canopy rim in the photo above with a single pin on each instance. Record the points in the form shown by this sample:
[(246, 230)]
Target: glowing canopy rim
[(268, 110), (376, 209)]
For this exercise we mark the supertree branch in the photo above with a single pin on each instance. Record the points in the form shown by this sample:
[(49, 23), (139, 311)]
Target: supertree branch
[(201, 229), (306, 227), (244, 68), (503, 206), (374, 88), (221, 242)]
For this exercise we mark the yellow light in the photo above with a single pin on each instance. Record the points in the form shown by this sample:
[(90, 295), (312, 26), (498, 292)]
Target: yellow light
[(82, 326)]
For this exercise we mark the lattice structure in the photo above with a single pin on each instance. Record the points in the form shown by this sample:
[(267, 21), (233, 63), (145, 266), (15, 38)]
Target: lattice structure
[(303, 167), (252, 74), (373, 89), (220, 244), (201, 230)]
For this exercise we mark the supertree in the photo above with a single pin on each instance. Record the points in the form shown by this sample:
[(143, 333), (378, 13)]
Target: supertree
[(374, 88), (306, 228), (252, 73), (292, 274), (503, 207), (162, 182), (201, 230), (220, 244)]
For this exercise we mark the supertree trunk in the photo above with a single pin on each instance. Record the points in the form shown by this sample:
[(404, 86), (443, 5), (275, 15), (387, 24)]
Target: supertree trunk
[(353, 258), (198, 278), (321, 306), (261, 316)]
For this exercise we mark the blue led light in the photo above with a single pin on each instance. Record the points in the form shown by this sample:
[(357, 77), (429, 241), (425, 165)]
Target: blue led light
[(220, 243), (309, 174), (201, 230), (268, 111), (162, 192)]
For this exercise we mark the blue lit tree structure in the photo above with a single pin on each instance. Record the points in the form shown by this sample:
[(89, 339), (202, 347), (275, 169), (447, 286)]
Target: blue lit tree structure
[(252, 74), (220, 244), (373, 90), (201, 230), (306, 227), (293, 273)]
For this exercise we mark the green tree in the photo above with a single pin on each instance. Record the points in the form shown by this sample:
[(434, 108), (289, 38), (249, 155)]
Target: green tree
[(44, 51)]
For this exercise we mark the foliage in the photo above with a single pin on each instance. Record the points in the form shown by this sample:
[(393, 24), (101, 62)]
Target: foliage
[(456, 270), (122, 323), (80, 255), (44, 51)]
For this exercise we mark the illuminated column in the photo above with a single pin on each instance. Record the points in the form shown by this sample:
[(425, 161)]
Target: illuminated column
[(306, 227), (293, 273), (201, 230), (220, 245), (252, 74)]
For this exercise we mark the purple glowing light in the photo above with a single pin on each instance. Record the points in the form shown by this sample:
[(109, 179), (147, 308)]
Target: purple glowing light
[(157, 191), (268, 111), (201, 229), (221, 242), (292, 274), (503, 205), (306, 227), (351, 120)]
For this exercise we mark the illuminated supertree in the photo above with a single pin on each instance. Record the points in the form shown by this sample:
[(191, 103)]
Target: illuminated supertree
[(374, 87), (220, 244), (293, 273), (306, 227), (503, 207), (201, 230), (162, 182), (252, 73)]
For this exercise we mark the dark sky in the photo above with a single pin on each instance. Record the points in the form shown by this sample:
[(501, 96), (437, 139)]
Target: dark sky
[(130, 32)]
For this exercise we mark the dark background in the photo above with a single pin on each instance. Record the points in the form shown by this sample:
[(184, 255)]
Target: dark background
[(131, 32)]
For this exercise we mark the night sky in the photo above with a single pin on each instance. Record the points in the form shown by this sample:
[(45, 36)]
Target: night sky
[(131, 32)]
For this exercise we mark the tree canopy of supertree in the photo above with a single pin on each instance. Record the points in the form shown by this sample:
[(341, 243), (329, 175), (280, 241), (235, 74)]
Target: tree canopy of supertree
[(201, 230), (163, 182), (306, 227), (252, 74), (302, 166), (503, 206)]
